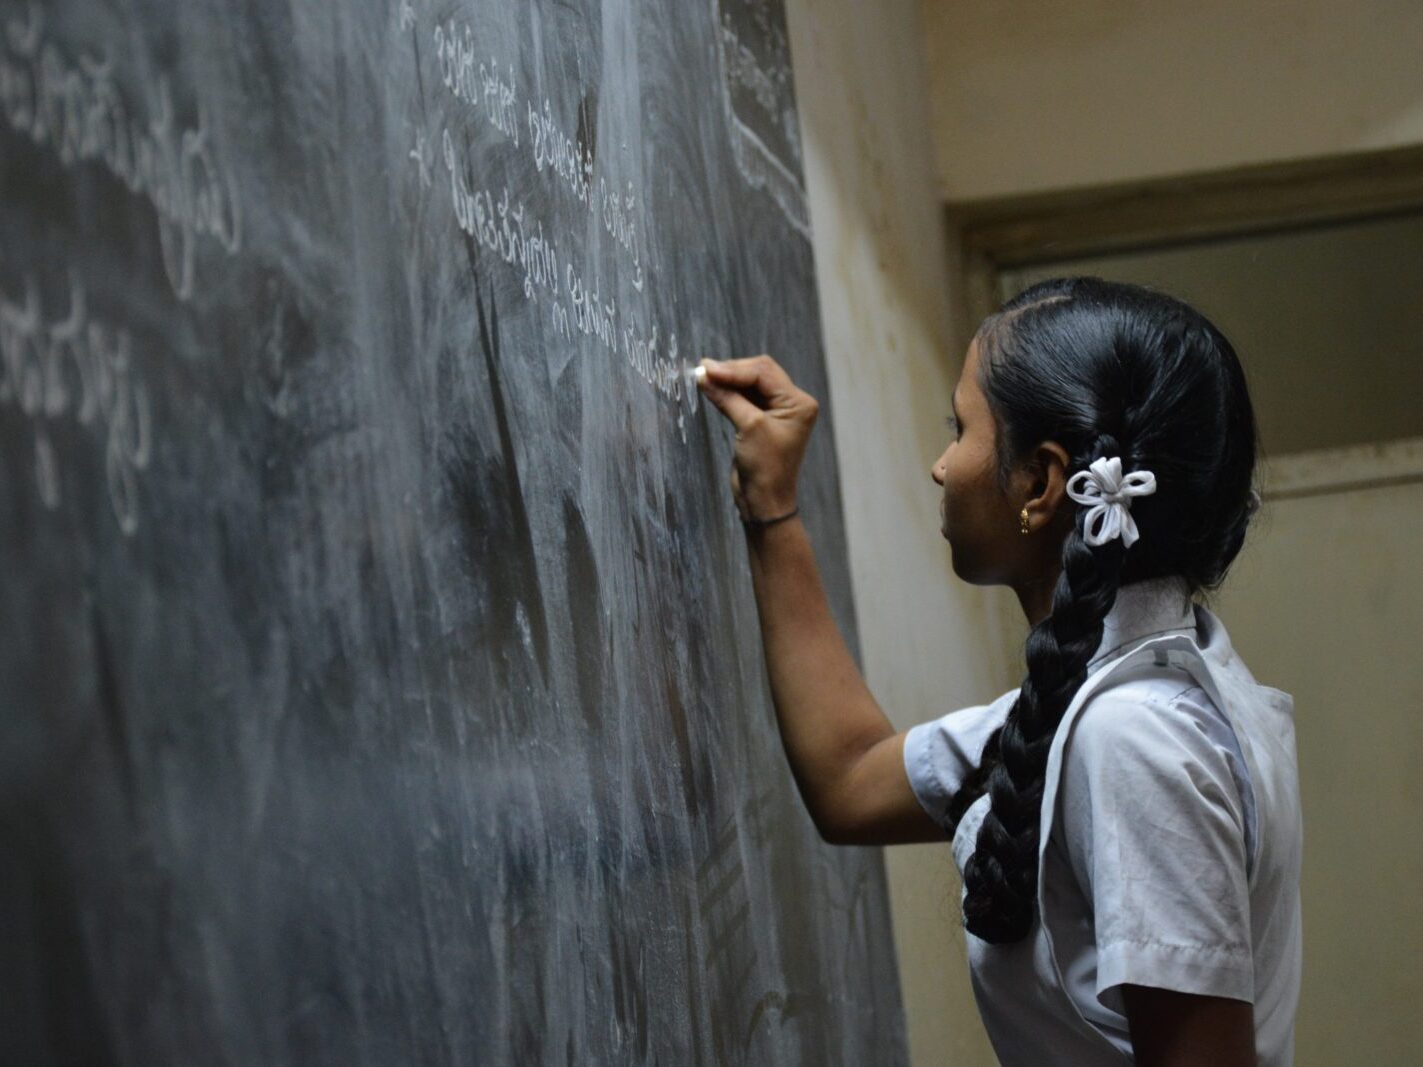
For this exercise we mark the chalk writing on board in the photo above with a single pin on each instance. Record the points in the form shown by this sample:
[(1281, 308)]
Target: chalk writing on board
[(74, 108), (593, 316), (619, 210), (79, 368), (473, 79), (553, 149), (424, 159), (759, 99), (502, 227), (505, 227), (481, 85)]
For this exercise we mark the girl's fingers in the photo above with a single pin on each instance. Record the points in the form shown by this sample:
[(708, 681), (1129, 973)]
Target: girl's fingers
[(759, 372), (741, 411), (773, 420)]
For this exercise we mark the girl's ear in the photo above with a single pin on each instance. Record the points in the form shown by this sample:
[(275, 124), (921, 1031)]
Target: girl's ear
[(1047, 477)]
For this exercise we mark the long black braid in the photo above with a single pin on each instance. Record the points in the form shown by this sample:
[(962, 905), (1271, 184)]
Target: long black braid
[(1105, 369)]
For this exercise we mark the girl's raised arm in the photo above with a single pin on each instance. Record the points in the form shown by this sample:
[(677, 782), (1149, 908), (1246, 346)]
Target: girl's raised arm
[(846, 757)]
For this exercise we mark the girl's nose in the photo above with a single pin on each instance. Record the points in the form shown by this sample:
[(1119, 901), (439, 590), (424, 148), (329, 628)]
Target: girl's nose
[(940, 470)]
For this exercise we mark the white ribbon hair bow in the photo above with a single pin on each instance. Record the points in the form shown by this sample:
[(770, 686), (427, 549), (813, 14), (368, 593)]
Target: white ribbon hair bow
[(1110, 496)]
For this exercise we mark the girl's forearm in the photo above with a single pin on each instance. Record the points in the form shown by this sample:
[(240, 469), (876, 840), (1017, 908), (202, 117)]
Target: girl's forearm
[(827, 716)]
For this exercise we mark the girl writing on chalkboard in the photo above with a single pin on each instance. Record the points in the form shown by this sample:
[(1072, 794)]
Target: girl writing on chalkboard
[(1126, 821)]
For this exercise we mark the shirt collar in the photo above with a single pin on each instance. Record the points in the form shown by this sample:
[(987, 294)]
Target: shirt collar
[(1145, 609)]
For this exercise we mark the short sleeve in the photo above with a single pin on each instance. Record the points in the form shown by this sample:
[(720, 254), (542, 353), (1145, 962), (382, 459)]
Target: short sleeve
[(1155, 831), (939, 754)]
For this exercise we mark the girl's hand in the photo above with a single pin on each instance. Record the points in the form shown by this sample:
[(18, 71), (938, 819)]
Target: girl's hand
[(773, 421)]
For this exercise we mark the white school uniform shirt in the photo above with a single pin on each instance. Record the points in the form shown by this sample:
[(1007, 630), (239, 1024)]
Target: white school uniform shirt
[(1170, 840)]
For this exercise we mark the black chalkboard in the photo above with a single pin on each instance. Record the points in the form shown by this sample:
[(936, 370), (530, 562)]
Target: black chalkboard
[(381, 680)]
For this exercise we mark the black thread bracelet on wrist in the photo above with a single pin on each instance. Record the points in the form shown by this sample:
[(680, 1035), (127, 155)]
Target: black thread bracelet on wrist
[(761, 524)]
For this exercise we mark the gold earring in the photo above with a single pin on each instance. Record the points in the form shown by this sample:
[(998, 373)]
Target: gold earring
[(1024, 518)]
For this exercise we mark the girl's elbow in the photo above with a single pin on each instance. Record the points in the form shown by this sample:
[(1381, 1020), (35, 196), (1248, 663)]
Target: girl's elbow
[(830, 825), (840, 827), (833, 834)]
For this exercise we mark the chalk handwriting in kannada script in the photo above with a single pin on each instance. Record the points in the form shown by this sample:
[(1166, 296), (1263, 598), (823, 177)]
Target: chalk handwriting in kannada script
[(73, 366), (74, 108), (501, 223)]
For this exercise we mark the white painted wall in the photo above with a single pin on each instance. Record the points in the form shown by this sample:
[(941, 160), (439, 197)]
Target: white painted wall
[(1343, 569), (1036, 95), (930, 643)]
